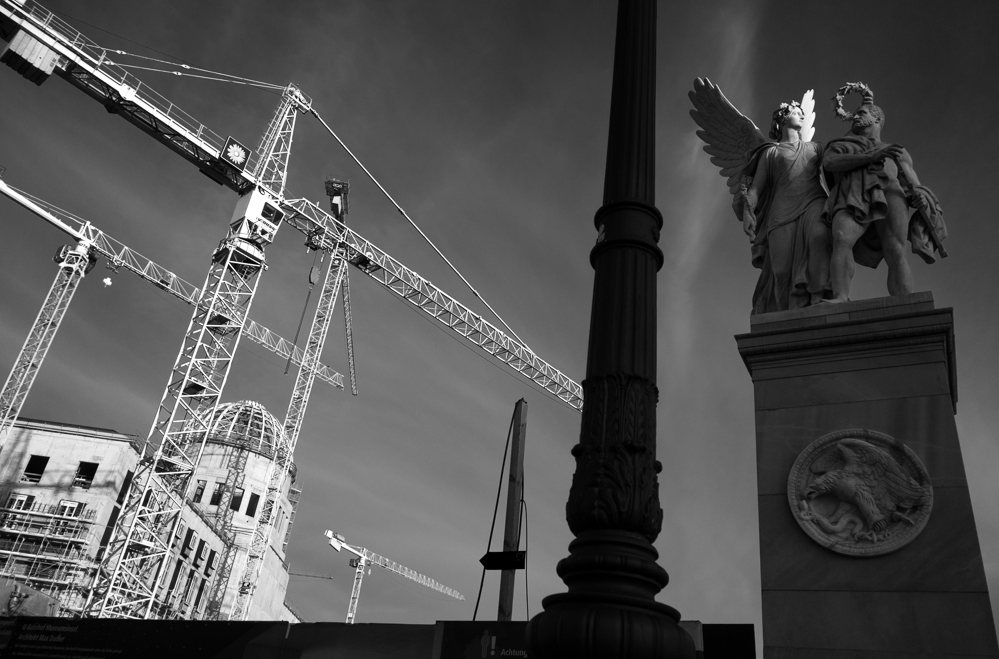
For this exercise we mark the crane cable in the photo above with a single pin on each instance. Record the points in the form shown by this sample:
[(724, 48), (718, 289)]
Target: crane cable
[(313, 276), (527, 542), (240, 80), (408, 218), (225, 77)]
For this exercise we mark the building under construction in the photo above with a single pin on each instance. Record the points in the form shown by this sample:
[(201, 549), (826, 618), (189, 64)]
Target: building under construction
[(63, 486)]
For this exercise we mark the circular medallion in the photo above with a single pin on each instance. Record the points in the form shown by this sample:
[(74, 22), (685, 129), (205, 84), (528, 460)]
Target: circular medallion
[(860, 493)]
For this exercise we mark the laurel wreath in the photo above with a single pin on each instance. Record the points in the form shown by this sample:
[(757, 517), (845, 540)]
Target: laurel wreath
[(847, 89)]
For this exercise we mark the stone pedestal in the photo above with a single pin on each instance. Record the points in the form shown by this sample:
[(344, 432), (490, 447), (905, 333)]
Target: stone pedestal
[(886, 366)]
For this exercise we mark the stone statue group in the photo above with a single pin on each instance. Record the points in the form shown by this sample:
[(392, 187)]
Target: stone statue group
[(814, 211)]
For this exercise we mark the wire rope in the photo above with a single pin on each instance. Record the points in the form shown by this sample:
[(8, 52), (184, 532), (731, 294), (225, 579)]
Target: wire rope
[(74, 18), (305, 308), (527, 541), (190, 67), (264, 86), (415, 226), (216, 76), (492, 527)]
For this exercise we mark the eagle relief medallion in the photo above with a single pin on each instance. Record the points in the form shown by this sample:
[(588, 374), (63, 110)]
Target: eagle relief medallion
[(860, 493)]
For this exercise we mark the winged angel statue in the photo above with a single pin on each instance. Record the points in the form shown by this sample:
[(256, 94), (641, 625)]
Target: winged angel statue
[(778, 194)]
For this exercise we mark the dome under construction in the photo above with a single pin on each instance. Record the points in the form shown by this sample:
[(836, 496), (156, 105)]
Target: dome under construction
[(247, 424)]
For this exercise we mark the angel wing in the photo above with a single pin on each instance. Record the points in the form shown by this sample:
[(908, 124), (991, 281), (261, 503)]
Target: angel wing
[(808, 109), (729, 135)]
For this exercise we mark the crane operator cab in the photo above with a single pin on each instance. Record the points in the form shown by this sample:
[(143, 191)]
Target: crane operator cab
[(253, 226)]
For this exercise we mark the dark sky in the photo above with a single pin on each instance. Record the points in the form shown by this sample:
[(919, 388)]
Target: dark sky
[(487, 121)]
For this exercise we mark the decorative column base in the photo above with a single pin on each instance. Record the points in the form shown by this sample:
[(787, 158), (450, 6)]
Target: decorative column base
[(610, 610)]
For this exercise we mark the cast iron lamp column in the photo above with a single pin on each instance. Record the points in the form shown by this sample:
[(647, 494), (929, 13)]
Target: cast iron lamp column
[(613, 508)]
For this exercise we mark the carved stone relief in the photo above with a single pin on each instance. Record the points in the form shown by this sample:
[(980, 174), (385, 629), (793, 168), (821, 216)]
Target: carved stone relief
[(860, 493)]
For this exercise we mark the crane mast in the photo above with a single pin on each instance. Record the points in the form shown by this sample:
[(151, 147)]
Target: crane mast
[(272, 172), (74, 263), (335, 280), (366, 558), (129, 577)]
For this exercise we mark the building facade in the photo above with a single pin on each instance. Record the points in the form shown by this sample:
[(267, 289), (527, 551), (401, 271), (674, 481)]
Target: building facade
[(62, 487)]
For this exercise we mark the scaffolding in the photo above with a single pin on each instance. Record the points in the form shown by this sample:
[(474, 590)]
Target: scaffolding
[(44, 546)]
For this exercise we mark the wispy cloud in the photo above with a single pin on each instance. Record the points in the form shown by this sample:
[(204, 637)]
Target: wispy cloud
[(699, 196)]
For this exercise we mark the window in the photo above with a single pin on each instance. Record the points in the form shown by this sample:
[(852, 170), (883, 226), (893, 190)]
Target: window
[(20, 501), (199, 555), (176, 573), (251, 506), (36, 467), (186, 597), (199, 491), (201, 591), (181, 526), (237, 499), (69, 508), (85, 475), (210, 563), (216, 494), (189, 541)]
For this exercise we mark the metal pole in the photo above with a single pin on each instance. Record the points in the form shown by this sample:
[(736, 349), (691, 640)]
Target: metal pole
[(514, 493), (613, 509)]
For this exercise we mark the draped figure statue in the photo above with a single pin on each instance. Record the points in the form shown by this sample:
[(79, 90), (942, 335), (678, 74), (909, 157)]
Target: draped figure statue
[(778, 194)]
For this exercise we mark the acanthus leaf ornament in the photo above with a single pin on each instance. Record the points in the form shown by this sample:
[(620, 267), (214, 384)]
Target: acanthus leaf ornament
[(615, 484)]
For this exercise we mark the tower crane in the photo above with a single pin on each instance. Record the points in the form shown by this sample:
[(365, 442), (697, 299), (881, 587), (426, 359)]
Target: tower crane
[(87, 66), (334, 281), (127, 582), (364, 559), (42, 44), (195, 387), (91, 242)]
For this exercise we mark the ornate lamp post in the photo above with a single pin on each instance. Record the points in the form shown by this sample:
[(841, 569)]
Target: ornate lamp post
[(613, 509)]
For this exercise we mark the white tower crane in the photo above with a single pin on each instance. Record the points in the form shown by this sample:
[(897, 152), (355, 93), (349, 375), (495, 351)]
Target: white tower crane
[(132, 569), (366, 558), (91, 241)]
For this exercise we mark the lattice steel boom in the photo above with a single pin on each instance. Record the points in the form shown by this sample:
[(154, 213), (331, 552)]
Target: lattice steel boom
[(120, 256), (331, 234)]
